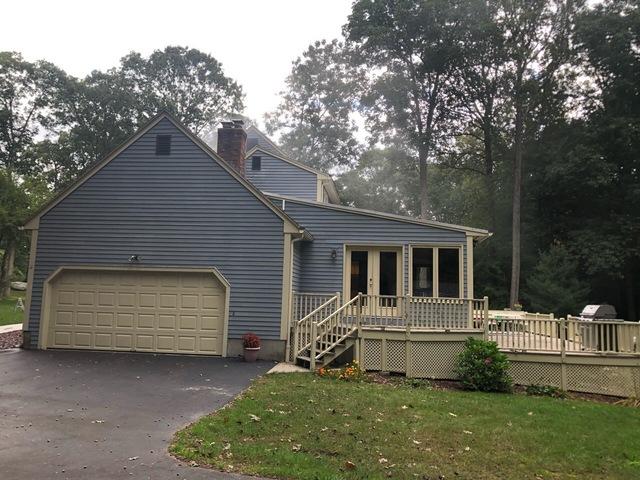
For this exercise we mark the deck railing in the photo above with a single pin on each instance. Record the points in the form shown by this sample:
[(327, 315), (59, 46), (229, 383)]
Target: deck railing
[(423, 312), (305, 303), (571, 335)]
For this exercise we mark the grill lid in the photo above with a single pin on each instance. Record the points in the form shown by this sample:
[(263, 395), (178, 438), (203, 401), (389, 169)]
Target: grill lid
[(599, 311)]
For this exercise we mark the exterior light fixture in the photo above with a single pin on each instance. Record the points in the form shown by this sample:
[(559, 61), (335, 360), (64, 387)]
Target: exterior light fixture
[(334, 254), (135, 258)]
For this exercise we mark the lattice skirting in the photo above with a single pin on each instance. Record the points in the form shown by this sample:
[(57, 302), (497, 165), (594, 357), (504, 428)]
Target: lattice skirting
[(433, 357), (600, 375)]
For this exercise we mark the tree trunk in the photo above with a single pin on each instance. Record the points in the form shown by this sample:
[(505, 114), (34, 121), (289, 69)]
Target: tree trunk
[(514, 293), (488, 177), (423, 154), (6, 271)]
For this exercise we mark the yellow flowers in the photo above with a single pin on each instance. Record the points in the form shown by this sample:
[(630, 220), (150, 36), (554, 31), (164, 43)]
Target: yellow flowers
[(350, 373)]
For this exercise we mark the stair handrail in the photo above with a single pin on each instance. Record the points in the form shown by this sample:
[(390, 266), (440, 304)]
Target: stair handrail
[(331, 331), (303, 327)]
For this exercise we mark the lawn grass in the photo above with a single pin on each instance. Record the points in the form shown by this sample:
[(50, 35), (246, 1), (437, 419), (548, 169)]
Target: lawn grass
[(318, 428), (8, 312)]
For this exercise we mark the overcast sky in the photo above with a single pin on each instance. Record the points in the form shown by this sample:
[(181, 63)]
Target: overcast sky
[(255, 40)]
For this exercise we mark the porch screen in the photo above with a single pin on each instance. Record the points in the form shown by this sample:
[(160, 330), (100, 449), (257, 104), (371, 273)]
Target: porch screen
[(448, 272), (423, 272)]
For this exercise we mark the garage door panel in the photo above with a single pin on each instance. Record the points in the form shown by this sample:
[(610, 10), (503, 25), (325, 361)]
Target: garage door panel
[(146, 320), (125, 320), (84, 319), (148, 300), (82, 339), (137, 311), (124, 341), (64, 319)]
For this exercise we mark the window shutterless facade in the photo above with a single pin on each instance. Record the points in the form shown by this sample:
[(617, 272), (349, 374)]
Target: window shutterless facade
[(256, 163)]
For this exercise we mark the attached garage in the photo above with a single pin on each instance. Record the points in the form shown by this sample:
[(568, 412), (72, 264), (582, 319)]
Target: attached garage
[(136, 309)]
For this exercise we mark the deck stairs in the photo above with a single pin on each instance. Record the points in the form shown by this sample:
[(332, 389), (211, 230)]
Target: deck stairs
[(326, 333)]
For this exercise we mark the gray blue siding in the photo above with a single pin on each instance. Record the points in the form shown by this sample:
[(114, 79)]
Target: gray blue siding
[(282, 178), (332, 229), (177, 210), (296, 274)]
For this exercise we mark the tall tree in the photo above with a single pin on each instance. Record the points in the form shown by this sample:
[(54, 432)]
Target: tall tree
[(27, 92), (409, 48), (532, 29), (480, 108), (184, 81), (315, 116)]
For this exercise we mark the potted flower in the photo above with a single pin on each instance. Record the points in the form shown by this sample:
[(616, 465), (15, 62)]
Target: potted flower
[(251, 344)]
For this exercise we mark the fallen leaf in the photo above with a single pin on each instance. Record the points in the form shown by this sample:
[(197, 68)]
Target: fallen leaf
[(417, 442), (349, 465), (383, 460), (253, 417), (296, 447), (453, 414), (467, 432)]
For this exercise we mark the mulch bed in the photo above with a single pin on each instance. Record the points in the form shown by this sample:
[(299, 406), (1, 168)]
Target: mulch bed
[(10, 339), (396, 379)]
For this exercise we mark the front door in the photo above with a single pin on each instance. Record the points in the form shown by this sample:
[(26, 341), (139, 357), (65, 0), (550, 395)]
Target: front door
[(376, 272)]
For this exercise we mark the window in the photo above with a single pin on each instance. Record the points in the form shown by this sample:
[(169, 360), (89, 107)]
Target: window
[(436, 272), (256, 163), (163, 145), (422, 272), (449, 272)]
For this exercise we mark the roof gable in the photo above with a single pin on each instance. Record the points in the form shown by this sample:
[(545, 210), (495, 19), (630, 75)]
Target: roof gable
[(255, 138), (32, 223)]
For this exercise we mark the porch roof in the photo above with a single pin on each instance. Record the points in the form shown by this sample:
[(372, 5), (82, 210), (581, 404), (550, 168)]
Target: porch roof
[(478, 233)]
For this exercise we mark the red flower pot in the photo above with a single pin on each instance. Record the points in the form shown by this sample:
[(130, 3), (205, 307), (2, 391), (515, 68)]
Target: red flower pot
[(251, 354)]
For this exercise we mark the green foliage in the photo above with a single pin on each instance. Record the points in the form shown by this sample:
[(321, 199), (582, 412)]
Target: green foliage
[(555, 284), (545, 391), (481, 366), (384, 180), (314, 117)]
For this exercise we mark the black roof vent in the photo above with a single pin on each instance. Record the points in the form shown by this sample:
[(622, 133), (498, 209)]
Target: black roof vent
[(163, 145)]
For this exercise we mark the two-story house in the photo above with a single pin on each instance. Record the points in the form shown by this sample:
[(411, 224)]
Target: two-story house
[(169, 246)]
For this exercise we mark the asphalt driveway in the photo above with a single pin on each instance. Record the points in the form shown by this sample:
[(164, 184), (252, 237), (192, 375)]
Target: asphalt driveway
[(97, 415)]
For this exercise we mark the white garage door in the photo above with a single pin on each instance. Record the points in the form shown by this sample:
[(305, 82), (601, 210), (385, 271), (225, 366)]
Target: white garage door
[(146, 311)]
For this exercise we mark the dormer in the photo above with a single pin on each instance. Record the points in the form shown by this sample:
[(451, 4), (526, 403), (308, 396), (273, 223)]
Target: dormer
[(272, 171)]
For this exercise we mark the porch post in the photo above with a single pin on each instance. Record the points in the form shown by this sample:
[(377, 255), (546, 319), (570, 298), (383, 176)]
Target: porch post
[(563, 364), (312, 355), (359, 350), (294, 354), (485, 320)]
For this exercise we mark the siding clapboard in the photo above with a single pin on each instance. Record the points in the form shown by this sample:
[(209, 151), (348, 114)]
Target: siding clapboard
[(283, 178), (332, 229), (177, 210)]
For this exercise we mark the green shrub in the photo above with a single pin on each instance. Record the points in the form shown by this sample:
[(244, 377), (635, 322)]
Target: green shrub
[(481, 366), (545, 391)]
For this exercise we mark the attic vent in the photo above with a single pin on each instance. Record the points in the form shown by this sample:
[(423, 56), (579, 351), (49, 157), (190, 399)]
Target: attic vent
[(163, 144)]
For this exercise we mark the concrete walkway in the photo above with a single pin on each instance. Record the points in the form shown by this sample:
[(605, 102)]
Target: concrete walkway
[(10, 328)]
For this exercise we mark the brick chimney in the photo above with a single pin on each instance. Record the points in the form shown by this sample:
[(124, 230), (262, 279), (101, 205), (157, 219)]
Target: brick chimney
[(232, 144)]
